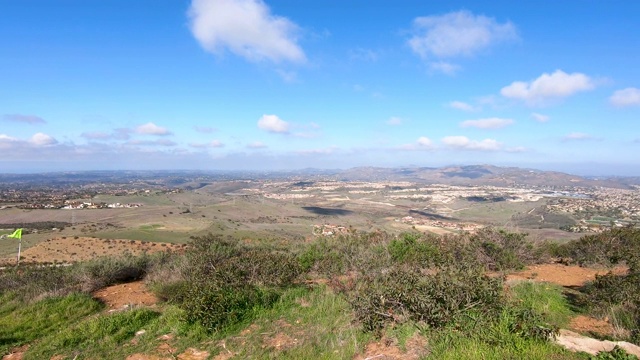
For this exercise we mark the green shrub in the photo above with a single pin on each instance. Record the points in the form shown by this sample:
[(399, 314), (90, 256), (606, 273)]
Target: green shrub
[(224, 281), (414, 249), (433, 299)]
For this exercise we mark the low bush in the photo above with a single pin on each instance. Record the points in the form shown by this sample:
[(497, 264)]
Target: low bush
[(223, 281), (405, 294)]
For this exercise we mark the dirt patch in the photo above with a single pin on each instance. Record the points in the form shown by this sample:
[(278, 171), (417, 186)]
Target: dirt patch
[(146, 357), (564, 275), (16, 353), (586, 324), (388, 349), (280, 341), (71, 249), (193, 354), (123, 296)]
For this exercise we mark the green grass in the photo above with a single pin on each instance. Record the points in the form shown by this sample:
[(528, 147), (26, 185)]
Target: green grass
[(21, 324), (546, 299), (314, 324), (94, 337)]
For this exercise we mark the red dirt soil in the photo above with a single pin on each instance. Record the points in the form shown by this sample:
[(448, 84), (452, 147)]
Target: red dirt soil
[(564, 275), (70, 249), (123, 296)]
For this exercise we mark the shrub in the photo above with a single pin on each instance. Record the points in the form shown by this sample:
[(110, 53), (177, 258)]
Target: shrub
[(405, 294), (223, 281)]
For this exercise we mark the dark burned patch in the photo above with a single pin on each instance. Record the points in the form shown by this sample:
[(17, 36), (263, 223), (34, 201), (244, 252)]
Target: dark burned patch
[(327, 211)]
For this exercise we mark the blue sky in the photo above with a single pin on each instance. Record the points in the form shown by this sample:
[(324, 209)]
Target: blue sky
[(246, 84)]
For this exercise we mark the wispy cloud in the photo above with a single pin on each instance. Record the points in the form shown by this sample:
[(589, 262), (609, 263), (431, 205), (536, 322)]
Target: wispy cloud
[(626, 97), (547, 87), (211, 144), (158, 142), (362, 54), (489, 123), (205, 129), (27, 119), (256, 145), (540, 117), (394, 121), (456, 34), (460, 105), (578, 136), (464, 143), (247, 28)]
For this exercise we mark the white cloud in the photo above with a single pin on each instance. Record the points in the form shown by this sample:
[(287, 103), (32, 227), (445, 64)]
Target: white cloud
[(540, 117), (28, 119), (626, 97), (444, 67), (464, 143), (211, 144), (578, 136), (548, 86), (394, 121), (257, 145), (460, 105), (6, 138), (489, 123), (457, 34), (423, 143), (152, 129), (41, 139), (246, 28), (273, 124)]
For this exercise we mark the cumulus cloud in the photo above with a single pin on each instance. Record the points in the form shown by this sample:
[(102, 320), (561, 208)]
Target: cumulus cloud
[(460, 105), (489, 123), (548, 86), (257, 145), (273, 124), (540, 117), (152, 129), (464, 143), (246, 28), (458, 33), (27, 119), (394, 121), (626, 97), (423, 143), (41, 139), (211, 144)]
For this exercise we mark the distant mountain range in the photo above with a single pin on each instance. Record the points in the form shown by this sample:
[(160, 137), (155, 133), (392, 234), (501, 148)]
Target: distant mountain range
[(451, 175), (483, 175)]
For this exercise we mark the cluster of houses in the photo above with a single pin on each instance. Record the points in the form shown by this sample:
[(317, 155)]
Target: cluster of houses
[(91, 205), (410, 220)]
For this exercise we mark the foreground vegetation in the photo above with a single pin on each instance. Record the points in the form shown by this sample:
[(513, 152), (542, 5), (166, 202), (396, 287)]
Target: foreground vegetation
[(440, 297)]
